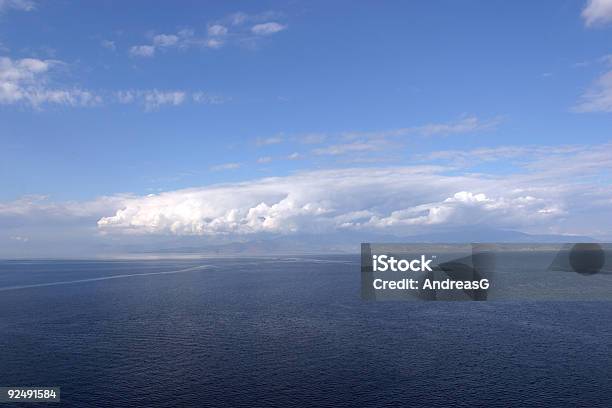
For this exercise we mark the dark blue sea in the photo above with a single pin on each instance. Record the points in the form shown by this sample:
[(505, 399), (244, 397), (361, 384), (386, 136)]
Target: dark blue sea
[(286, 332)]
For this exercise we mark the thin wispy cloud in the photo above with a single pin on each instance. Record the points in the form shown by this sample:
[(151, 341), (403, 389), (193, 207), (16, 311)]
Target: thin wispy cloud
[(268, 28), (466, 125), (225, 166), (109, 45), (266, 141), (264, 160), (20, 5), (357, 147), (311, 138), (598, 98)]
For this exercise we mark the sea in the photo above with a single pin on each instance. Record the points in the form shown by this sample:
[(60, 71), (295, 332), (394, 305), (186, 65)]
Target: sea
[(286, 332)]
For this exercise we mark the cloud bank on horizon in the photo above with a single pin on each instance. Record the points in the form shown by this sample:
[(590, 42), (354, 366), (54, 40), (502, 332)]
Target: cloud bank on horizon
[(230, 125)]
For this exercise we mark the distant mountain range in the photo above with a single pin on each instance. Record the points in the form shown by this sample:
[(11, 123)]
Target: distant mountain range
[(342, 242)]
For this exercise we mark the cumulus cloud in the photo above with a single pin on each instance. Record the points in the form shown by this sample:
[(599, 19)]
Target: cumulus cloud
[(564, 192), (27, 81), (598, 98), (267, 28), (597, 12), (324, 201), (399, 200)]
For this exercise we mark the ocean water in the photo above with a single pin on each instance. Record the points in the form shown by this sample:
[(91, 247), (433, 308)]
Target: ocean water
[(286, 332)]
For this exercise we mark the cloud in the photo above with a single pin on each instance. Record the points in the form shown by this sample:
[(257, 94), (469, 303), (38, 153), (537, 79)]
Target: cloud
[(294, 156), (225, 166), (466, 125), (165, 40), (269, 140), (217, 30), (267, 28), (27, 81), (338, 149), (265, 159), (598, 98), (146, 51), (209, 99), (403, 199), (597, 12), (311, 138), (21, 5), (108, 44), (152, 99), (228, 30), (563, 192)]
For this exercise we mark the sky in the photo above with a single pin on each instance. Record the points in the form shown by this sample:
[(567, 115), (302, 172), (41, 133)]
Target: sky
[(133, 123)]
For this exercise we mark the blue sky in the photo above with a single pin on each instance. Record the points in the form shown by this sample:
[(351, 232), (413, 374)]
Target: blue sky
[(126, 99)]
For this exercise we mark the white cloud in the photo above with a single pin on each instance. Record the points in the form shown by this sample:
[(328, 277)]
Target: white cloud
[(26, 81), (597, 12), (209, 99), (394, 199), (265, 159), (294, 156), (21, 5), (165, 40), (225, 166), (267, 28), (229, 30), (266, 141), (238, 18), (397, 200), (217, 30), (357, 147), (564, 192), (145, 51), (465, 125), (152, 99), (599, 97)]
